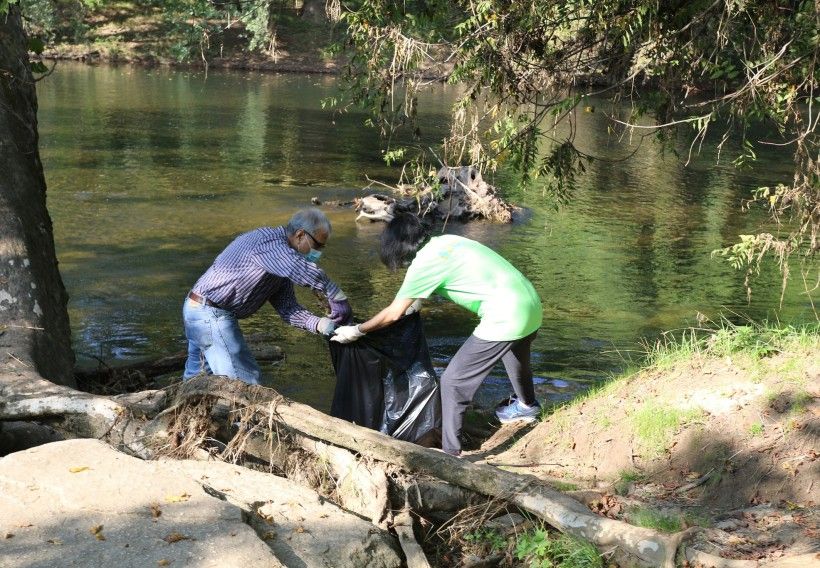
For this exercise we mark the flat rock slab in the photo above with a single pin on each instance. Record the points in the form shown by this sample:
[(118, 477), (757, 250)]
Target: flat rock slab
[(300, 526), (82, 503)]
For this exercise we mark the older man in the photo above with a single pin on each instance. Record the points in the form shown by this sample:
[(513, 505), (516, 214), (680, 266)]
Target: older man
[(258, 266)]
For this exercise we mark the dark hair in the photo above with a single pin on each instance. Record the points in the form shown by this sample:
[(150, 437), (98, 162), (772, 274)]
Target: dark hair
[(404, 235)]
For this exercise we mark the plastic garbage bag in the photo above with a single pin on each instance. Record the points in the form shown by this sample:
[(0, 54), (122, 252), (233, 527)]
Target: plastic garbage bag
[(386, 381)]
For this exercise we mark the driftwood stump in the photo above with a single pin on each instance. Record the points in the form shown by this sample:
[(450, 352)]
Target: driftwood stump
[(461, 194)]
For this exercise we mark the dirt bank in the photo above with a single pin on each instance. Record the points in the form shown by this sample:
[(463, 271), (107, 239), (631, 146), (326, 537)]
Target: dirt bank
[(729, 443), (122, 33)]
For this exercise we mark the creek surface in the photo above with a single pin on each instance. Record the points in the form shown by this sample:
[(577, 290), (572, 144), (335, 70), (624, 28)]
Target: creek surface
[(152, 172)]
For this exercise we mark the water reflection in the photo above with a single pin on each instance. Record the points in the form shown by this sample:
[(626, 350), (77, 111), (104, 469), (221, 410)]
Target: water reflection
[(151, 173)]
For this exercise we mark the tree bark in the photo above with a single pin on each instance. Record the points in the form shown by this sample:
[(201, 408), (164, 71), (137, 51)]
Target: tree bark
[(34, 328), (649, 547), (138, 424)]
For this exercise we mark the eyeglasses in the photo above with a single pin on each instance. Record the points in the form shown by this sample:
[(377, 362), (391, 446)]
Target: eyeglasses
[(319, 246)]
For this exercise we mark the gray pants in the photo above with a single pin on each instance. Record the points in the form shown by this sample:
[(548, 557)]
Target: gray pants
[(468, 369)]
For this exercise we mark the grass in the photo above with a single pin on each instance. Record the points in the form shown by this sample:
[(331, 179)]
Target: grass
[(654, 424), (563, 486), (625, 478), (485, 541), (756, 429), (800, 401), (653, 519), (538, 549), (751, 341), (754, 340)]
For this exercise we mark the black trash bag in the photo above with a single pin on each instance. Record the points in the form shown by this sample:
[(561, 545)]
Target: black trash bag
[(386, 381)]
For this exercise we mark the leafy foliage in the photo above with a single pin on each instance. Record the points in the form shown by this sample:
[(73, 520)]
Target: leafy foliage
[(538, 549), (527, 68), (193, 28)]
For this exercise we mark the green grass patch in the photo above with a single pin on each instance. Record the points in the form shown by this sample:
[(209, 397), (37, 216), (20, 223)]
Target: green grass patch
[(697, 518), (539, 549), (670, 349), (800, 401), (654, 424), (754, 340), (563, 486), (756, 429), (793, 370), (653, 519)]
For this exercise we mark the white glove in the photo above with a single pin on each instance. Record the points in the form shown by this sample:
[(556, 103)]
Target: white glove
[(325, 326), (414, 307), (347, 334)]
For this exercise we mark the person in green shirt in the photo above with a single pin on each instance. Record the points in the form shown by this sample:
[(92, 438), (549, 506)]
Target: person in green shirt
[(482, 281)]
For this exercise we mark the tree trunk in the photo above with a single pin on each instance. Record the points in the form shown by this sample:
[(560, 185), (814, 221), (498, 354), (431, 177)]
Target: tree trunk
[(34, 329)]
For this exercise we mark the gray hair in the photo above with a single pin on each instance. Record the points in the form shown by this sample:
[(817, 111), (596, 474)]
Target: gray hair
[(311, 220)]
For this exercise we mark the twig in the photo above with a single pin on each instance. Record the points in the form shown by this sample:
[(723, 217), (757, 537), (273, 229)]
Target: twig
[(699, 481), (16, 359), (534, 464)]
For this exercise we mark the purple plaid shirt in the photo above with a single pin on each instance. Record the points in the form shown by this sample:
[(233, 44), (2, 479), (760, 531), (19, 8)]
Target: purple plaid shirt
[(259, 266)]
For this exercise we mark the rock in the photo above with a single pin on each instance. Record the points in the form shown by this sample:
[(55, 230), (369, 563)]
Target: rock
[(301, 527), (728, 525), (82, 503), (54, 498)]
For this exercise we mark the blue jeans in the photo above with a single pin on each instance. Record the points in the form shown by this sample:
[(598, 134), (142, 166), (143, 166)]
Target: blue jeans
[(216, 345)]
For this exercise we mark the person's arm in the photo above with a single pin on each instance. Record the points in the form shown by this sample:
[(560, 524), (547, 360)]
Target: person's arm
[(284, 301), (390, 314), (424, 275)]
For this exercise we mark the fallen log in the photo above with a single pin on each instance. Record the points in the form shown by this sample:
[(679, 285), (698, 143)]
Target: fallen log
[(140, 372), (146, 434), (649, 547)]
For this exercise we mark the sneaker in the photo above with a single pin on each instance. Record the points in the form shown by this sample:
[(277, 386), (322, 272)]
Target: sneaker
[(517, 411)]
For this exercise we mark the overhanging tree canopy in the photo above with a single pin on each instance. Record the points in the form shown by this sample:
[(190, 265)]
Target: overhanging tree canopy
[(528, 66)]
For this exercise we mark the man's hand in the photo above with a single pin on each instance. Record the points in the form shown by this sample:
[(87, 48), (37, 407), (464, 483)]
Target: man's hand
[(340, 311), (325, 326), (347, 334)]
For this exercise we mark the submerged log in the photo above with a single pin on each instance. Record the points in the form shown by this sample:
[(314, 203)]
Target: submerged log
[(106, 379)]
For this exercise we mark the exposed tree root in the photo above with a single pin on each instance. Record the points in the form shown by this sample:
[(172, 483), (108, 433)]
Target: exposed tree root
[(258, 423)]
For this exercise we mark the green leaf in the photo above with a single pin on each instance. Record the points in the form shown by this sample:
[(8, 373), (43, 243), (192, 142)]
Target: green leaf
[(36, 45), (4, 6)]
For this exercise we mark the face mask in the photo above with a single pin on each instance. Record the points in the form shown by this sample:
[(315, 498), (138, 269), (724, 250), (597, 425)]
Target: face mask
[(313, 255)]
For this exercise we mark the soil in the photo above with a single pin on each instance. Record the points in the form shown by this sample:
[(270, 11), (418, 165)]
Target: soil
[(738, 454), (119, 34)]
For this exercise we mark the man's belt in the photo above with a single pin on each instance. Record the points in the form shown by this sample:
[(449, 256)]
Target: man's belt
[(201, 300)]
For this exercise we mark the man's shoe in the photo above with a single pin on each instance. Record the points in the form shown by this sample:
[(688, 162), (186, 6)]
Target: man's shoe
[(517, 411)]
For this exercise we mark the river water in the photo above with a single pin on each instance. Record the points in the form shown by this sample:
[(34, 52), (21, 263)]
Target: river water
[(152, 172)]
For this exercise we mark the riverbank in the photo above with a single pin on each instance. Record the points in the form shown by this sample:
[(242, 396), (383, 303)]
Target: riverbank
[(719, 431), (125, 33)]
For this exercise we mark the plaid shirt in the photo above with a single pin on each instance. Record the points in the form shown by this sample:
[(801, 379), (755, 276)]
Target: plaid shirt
[(259, 266)]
